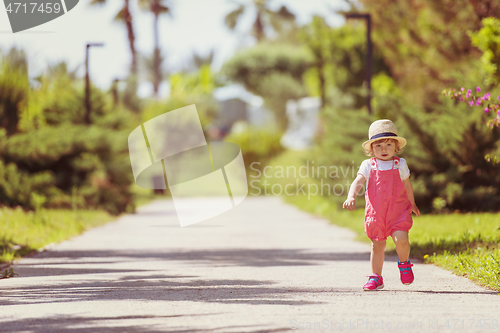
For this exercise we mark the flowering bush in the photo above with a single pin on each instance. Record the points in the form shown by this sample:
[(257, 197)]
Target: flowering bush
[(478, 99), (484, 101)]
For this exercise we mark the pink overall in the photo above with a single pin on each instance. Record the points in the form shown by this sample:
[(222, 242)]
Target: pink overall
[(387, 205)]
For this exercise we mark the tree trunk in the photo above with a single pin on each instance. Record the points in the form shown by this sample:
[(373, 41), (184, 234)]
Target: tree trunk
[(258, 26), (157, 73), (131, 37)]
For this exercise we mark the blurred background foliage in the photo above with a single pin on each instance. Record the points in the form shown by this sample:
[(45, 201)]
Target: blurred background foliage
[(273, 71), (425, 46), (186, 88), (46, 150), (258, 146), (487, 39), (420, 48)]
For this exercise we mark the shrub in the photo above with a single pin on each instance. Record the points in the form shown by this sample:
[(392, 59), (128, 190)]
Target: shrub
[(447, 157), (45, 151), (257, 145), (54, 159)]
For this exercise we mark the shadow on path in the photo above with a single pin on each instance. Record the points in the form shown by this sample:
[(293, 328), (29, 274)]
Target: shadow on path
[(73, 324), (162, 288), (139, 284), (225, 257)]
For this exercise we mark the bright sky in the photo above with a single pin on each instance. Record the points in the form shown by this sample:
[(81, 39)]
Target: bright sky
[(195, 25)]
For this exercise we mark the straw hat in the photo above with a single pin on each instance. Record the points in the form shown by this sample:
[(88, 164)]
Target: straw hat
[(383, 129)]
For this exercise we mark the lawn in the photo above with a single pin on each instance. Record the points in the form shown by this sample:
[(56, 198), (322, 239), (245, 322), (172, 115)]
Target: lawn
[(22, 232)]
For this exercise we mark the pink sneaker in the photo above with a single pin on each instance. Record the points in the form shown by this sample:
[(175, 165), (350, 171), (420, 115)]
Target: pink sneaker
[(375, 282), (406, 272)]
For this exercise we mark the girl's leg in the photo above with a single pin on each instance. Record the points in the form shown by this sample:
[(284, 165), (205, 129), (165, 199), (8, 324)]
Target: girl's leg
[(377, 256), (402, 242)]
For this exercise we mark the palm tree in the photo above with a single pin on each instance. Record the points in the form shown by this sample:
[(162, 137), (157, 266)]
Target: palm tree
[(125, 16), (130, 98), (157, 7), (198, 60), (264, 16)]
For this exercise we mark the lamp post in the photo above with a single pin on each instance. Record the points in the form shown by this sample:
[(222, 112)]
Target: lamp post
[(87, 81), (367, 18), (114, 90)]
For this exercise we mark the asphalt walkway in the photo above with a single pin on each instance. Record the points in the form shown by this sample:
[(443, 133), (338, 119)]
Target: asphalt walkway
[(265, 266)]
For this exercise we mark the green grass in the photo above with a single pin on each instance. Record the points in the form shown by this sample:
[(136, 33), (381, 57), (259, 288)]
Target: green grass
[(325, 207), (467, 244), (23, 232), (454, 233)]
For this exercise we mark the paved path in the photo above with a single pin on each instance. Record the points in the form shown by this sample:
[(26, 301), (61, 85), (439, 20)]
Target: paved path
[(262, 267)]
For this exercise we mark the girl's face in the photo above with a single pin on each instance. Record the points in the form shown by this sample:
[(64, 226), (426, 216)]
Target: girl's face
[(384, 150)]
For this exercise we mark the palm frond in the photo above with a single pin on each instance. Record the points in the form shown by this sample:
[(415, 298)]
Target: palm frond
[(164, 10), (97, 2), (199, 60), (232, 18), (280, 20), (285, 14), (144, 4), (157, 7), (120, 16)]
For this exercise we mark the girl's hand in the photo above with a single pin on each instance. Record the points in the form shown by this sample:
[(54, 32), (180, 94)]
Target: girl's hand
[(415, 209), (349, 204)]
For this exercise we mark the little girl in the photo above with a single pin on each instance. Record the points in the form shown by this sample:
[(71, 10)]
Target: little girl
[(389, 200)]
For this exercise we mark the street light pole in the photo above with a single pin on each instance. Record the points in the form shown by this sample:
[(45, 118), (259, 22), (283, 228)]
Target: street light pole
[(369, 57), (114, 90), (87, 82)]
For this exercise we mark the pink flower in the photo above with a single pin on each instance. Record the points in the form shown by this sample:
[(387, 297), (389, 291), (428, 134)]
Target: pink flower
[(462, 89), (461, 99), (486, 110), (469, 91), (487, 96), (471, 103), (478, 102), (478, 89), (499, 97), (498, 113)]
